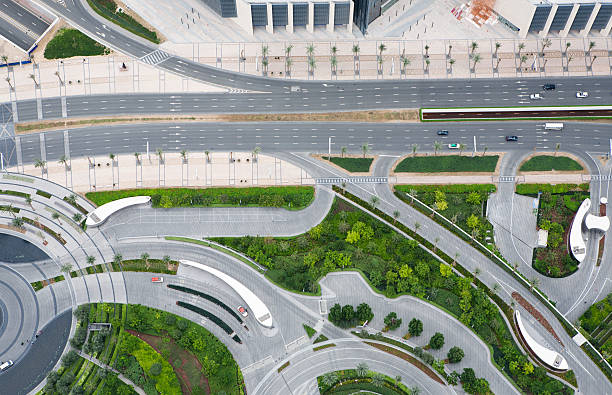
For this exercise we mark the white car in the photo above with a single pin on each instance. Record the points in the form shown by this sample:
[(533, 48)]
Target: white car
[(581, 94), (535, 96), (453, 146)]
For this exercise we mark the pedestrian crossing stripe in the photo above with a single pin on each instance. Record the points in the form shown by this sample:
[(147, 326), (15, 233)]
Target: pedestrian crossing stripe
[(352, 180), (155, 57)]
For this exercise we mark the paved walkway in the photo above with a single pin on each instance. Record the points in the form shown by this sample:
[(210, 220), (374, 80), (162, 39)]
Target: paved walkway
[(121, 377)]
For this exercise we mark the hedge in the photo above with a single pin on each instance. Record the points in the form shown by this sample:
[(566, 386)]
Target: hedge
[(533, 189), (450, 188), (295, 198), (209, 298), (226, 328)]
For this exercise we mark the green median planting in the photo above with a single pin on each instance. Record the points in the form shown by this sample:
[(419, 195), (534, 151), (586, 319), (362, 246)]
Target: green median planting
[(448, 163), (353, 165), (292, 198), (108, 9), (550, 163), (70, 42)]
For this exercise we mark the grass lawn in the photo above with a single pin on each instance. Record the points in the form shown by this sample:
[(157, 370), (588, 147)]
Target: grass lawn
[(555, 215), (293, 198), (309, 330), (549, 163), (108, 10), (447, 163), (353, 165), (70, 42), (154, 266)]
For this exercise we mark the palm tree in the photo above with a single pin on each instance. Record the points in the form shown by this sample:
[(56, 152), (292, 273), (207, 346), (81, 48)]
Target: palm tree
[(310, 48), (343, 187), (523, 59), (533, 283), (8, 80), (426, 51), (457, 255), (545, 44), (436, 241), (264, 51), (381, 48), (415, 147), (451, 62), (415, 390), (166, 260), (567, 45), (288, 50), (398, 379), (476, 58), (112, 157), (495, 287), (378, 380), (145, 257), (364, 149), (405, 63), (477, 272), (329, 378), (521, 46), (184, 155), (437, 146), (63, 160), (497, 47), (592, 60), (374, 201), (427, 61), (207, 157), (592, 45), (557, 146), (18, 222), (334, 50), (362, 369), (396, 215), (356, 50), (117, 259), (67, 268), (4, 59), (312, 64), (380, 65), (264, 64), (137, 156), (42, 164), (343, 151), (56, 217), (417, 226), (91, 259), (461, 148), (77, 217), (59, 77), (334, 63), (474, 45), (288, 64), (160, 155), (28, 200), (413, 194), (256, 151), (484, 150)]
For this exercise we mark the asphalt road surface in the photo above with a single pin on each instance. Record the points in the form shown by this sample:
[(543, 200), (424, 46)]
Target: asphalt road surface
[(310, 137)]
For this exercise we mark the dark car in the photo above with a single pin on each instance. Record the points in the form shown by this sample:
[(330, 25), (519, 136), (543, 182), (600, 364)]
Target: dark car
[(511, 138), (442, 132), (549, 87)]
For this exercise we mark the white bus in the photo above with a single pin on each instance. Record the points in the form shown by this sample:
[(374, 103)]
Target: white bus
[(553, 126)]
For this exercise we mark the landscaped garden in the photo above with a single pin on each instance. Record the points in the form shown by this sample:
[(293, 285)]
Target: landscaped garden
[(555, 214), (108, 10), (158, 351), (353, 165), (549, 163), (464, 205), (350, 239), (447, 163), (361, 379), (293, 198), (596, 323), (70, 42)]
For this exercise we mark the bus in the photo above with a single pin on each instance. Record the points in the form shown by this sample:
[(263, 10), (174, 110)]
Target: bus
[(553, 126)]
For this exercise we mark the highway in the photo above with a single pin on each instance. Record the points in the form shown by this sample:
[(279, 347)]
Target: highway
[(333, 97), (272, 137)]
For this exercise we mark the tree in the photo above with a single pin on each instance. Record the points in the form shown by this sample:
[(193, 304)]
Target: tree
[(117, 259), (312, 63), (374, 201), (521, 46), (437, 146), (77, 217), (426, 51), (473, 222), (364, 149), (405, 63), (66, 268), (445, 270), (391, 321), (334, 63), (378, 380), (56, 217), (437, 341), (356, 50), (335, 313), (40, 164), (362, 369), (18, 222), (497, 47), (415, 327), (455, 354), (415, 147), (329, 378), (381, 48), (523, 59), (473, 198), (155, 369), (591, 45), (476, 58), (461, 148), (474, 45), (343, 151), (534, 282), (348, 313), (451, 62), (145, 257), (396, 215), (69, 358), (364, 312), (91, 259)]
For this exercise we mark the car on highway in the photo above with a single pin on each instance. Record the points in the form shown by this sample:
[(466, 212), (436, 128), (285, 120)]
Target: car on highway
[(535, 96), (582, 94), (442, 132), (157, 279), (549, 87), (511, 138), (453, 146), (243, 312), (6, 365)]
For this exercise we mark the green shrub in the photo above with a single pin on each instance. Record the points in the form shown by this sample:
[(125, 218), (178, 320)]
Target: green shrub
[(533, 189), (437, 341), (353, 165), (447, 189), (70, 42)]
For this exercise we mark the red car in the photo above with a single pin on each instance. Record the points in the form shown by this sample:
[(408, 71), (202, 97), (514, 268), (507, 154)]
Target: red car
[(157, 280), (243, 311)]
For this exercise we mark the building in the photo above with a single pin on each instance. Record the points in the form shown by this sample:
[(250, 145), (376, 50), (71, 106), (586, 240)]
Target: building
[(286, 15), (559, 17)]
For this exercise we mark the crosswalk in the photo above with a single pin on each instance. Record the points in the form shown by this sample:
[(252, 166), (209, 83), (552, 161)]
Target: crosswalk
[(352, 180), (155, 57), (506, 178), (603, 177)]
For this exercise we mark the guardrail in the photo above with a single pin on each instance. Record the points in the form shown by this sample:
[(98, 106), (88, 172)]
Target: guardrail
[(514, 113)]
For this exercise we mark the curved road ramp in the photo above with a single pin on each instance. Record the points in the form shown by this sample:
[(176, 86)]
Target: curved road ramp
[(101, 214), (548, 357), (484, 113), (577, 236), (256, 305)]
